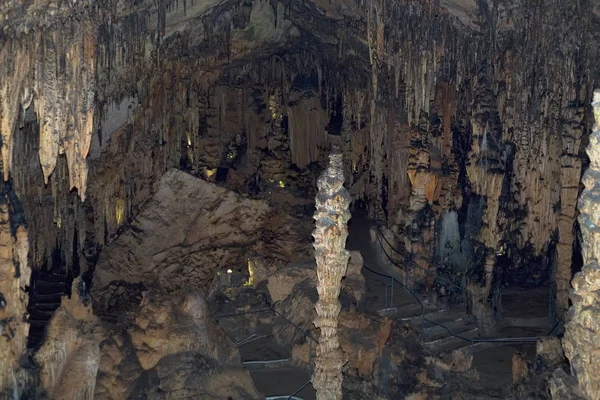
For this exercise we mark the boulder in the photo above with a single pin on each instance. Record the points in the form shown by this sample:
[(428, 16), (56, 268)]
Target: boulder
[(70, 356), (167, 324), (191, 375), (187, 231)]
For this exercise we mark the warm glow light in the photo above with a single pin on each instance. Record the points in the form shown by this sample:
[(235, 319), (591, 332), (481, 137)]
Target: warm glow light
[(229, 271), (119, 210), (281, 184), (250, 273), (209, 173)]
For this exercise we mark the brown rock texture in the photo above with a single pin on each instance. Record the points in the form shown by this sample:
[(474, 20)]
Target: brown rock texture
[(330, 235), (188, 231), (191, 375), (452, 105), (582, 335), (170, 347), (165, 325), (70, 355), (14, 278), (473, 107)]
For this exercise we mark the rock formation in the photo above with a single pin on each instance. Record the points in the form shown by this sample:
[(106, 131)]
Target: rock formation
[(451, 107), (259, 91), (582, 336), (190, 230), (330, 235), (70, 355), (171, 348), (14, 279)]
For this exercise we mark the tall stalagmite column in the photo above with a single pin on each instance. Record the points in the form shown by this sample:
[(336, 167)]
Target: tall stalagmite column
[(582, 336), (330, 235)]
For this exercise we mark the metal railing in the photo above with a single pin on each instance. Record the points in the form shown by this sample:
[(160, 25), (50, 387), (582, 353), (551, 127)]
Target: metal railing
[(472, 341), (306, 335), (411, 264)]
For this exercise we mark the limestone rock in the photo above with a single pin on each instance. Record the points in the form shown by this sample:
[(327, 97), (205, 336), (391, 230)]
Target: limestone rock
[(354, 281), (330, 235), (299, 308), (520, 368), (167, 327), (70, 356), (363, 340), (15, 274), (191, 375), (581, 341), (282, 282), (188, 231), (563, 386), (168, 324), (549, 351)]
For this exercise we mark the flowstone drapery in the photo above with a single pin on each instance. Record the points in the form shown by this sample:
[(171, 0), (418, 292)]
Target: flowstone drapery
[(330, 235), (582, 336)]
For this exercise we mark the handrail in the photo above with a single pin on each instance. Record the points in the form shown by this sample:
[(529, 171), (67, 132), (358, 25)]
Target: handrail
[(304, 333), (428, 271), (423, 319)]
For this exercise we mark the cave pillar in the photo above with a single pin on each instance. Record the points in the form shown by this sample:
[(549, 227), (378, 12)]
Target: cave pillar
[(331, 216), (582, 334)]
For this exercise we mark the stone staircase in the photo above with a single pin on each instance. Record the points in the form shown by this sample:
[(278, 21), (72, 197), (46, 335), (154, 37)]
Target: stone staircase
[(443, 330), (44, 299)]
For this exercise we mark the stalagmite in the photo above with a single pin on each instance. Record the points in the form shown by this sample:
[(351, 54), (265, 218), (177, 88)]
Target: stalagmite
[(330, 235), (582, 336)]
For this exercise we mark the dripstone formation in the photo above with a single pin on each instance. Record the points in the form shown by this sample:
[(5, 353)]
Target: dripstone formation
[(582, 336), (330, 235)]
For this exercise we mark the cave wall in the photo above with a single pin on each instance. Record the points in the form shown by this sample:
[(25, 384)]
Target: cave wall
[(471, 106)]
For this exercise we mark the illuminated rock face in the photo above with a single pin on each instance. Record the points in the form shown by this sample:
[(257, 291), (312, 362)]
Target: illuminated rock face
[(582, 336), (70, 356), (330, 235), (14, 277), (54, 72)]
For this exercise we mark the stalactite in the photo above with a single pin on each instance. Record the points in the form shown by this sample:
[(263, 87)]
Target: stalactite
[(582, 335), (330, 235)]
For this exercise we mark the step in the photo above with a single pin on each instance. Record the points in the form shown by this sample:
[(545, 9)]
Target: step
[(450, 343), (253, 365), (447, 316), (42, 315), (54, 278), (441, 333), (47, 297), (432, 314), (46, 306), (457, 325), (48, 290), (36, 323), (532, 322), (53, 284)]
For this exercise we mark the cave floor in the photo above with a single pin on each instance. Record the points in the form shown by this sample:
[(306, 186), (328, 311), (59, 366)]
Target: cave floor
[(492, 362), (525, 314)]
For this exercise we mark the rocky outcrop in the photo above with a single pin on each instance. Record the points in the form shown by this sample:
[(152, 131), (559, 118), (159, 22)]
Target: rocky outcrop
[(188, 231), (170, 331), (165, 326), (258, 92), (460, 106), (70, 355), (55, 73), (582, 335), (191, 375), (15, 274), (330, 235)]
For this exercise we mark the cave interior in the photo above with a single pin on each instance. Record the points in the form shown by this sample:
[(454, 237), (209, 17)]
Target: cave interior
[(173, 222)]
